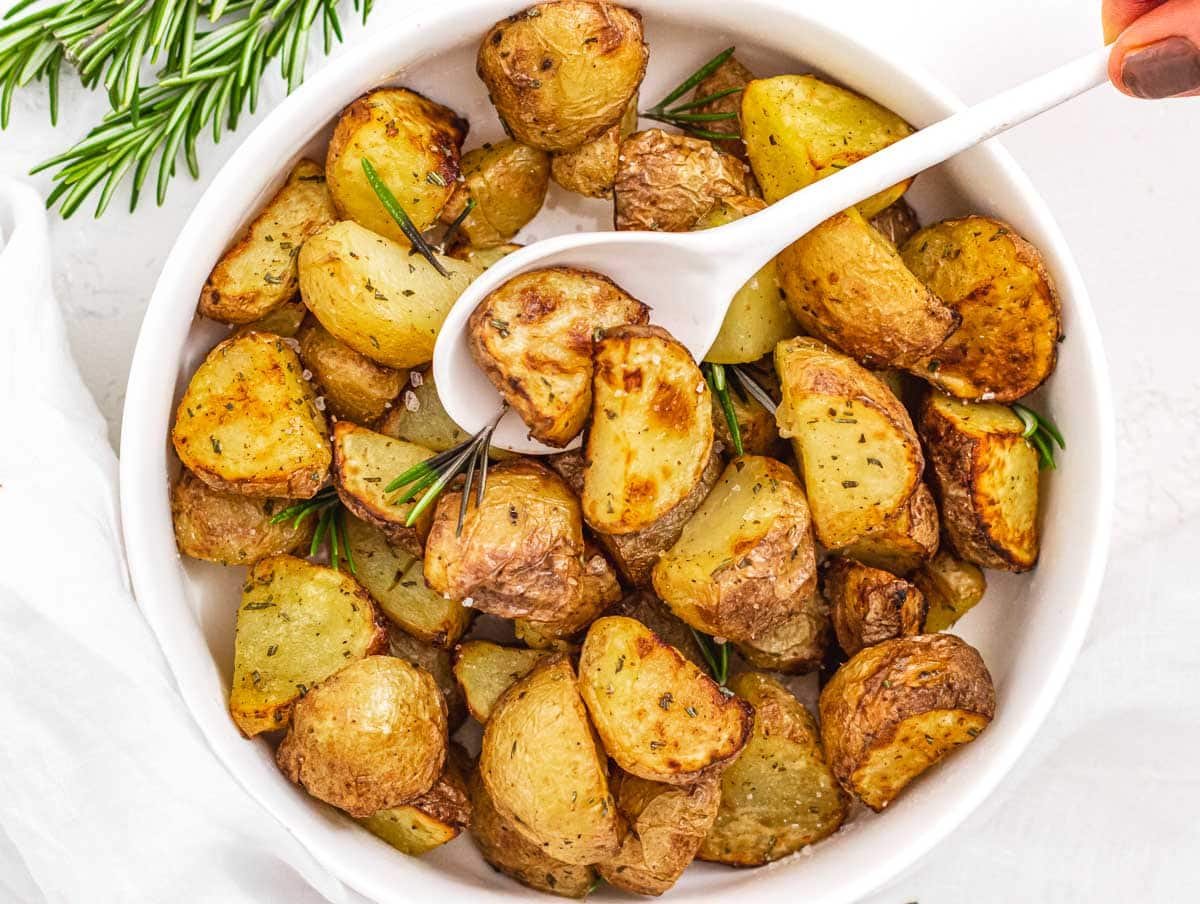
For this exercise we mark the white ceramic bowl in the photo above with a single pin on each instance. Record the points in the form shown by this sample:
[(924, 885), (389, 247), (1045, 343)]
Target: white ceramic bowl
[(1029, 629)]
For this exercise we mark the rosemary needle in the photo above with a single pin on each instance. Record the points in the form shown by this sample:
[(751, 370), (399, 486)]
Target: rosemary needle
[(396, 212), (720, 387)]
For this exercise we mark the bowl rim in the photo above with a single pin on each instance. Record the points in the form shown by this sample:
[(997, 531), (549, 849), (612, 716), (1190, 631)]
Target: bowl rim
[(149, 542)]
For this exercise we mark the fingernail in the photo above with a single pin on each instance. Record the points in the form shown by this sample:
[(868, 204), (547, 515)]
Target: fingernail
[(1162, 69)]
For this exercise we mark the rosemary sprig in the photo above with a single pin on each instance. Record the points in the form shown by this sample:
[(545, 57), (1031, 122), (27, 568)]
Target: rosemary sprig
[(392, 206), (680, 115), (1042, 434), (715, 373), (331, 526), (716, 655), (452, 230), (752, 388)]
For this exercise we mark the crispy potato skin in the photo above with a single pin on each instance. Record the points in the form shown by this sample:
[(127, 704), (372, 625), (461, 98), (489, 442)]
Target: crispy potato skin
[(354, 386), (248, 422), (439, 663), (428, 821), (780, 794), (796, 647), (561, 73), (412, 142), (591, 168), (483, 257), (870, 605), (730, 74), (666, 182), (544, 771), (986, 475), (600, 589), (658, 715), (229, 528), (485, 670), (259, 273), (951, 586), (898, 707), (905, 540), (658, 617), (534, 338), (897, 223), (746, 559), (1011, 316), (508, 181)]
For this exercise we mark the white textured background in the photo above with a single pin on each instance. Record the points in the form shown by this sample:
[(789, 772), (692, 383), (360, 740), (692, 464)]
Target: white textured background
[(1104, 805)]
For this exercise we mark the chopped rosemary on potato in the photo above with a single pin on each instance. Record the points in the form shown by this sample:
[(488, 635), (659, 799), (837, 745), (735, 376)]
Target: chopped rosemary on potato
[(392, 206), (1042, 434), (680, 115)]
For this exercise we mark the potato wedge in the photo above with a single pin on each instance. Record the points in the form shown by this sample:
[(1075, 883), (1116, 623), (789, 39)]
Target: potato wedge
[(746, 559), (297, 624), (591, 168), (798, 129), (354, 386), (248, 422), (1011, 315), (508, 182), (729, 75), (951, 586), (870, 605), (856, 445), (413, 144), (482, 257), (284, 320), (903, 541), (485, 670), (897, 223), (600, 589), (534, 338), (658, 715), (986, 475), (429, 821), (780, 794), (561, 73), (898, 707), (651, 434), (796, 647), (656, 615), (438, 662), (371, 294), (259, 273)]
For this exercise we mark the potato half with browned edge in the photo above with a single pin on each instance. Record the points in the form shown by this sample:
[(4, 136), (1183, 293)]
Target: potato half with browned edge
[(898, 707), (846, 284), (438, 662), (898, 223), (952, 588), (259, 273), (651, 434), (798, 129), (658, 715), (248, 422), (508, 181), (544, 771), (870, 605), (485, 670), (658, 617), (413, 144), (903, 541), (591, 168), (534, 337), (731, 76), (297, 624), (986, 476), (1011, 316), (780, 794), (746, 558), (375, 296), (796, 647), (666, 182), (353, 386), (600, 589), (561, 73), (428, 821), (856, 445)]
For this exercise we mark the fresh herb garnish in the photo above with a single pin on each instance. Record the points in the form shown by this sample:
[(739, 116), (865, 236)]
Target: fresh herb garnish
[(680, 115), (715, 373), (392, 206), (331, 526), (748, 385), (452, 230), (1042, 434), (715, 654)]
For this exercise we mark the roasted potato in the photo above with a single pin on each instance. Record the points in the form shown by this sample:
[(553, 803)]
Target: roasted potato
[(375, 296), (798, 129), (229, 528), (756, 426), (418, 416), (428, 821), (508, 182), (485, 670), (600, 589), (651, 434), (658, 617), (746, 559), (730, 75), (903, 541), (986, 476), (248, 422), (413, 144), (870, 605), (780, 794), (847, 285), (796, 647), (297, 624), (591, 168), (259, 274), (354, 386), (856, 445), (438, 662), (1011, 316), (657, 714), (897, 223), (898, 707), (543, 770), (483, 257), (666, 182), (364, 465), (561, 73), (534, 337), (951, 586), (284, 320)]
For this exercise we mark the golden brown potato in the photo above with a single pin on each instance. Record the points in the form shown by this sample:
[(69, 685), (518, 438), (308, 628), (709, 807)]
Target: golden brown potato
[(248, 422), (666, 182), (428, 821), (413, 144), (544, 771), (870, 605), (897, 223), (482, 257), (418, 416), (780, 794), (508, 182), (561, 73), (756, 426), (657, 714), (796, 647), (534, 337), (591, 168), (375, 296), (259, 274), (658, 617), (364, 464), (297, 624), (519, 554), (667, 824), (798, 129), (485, 670), (229, 528), (903, 541), (729, 75), (438, 662), (746, 559), (856, 445), (898, 707), (951, 586), (650, 405), (600, 589), (1011, 316), (847, 285), (284, 320), (354, 386)]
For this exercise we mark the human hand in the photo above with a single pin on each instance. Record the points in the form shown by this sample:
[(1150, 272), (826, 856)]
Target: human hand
[(1157, 50)]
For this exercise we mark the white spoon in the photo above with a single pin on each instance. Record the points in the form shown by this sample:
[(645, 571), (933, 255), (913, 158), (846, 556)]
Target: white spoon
[(689, 278)]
